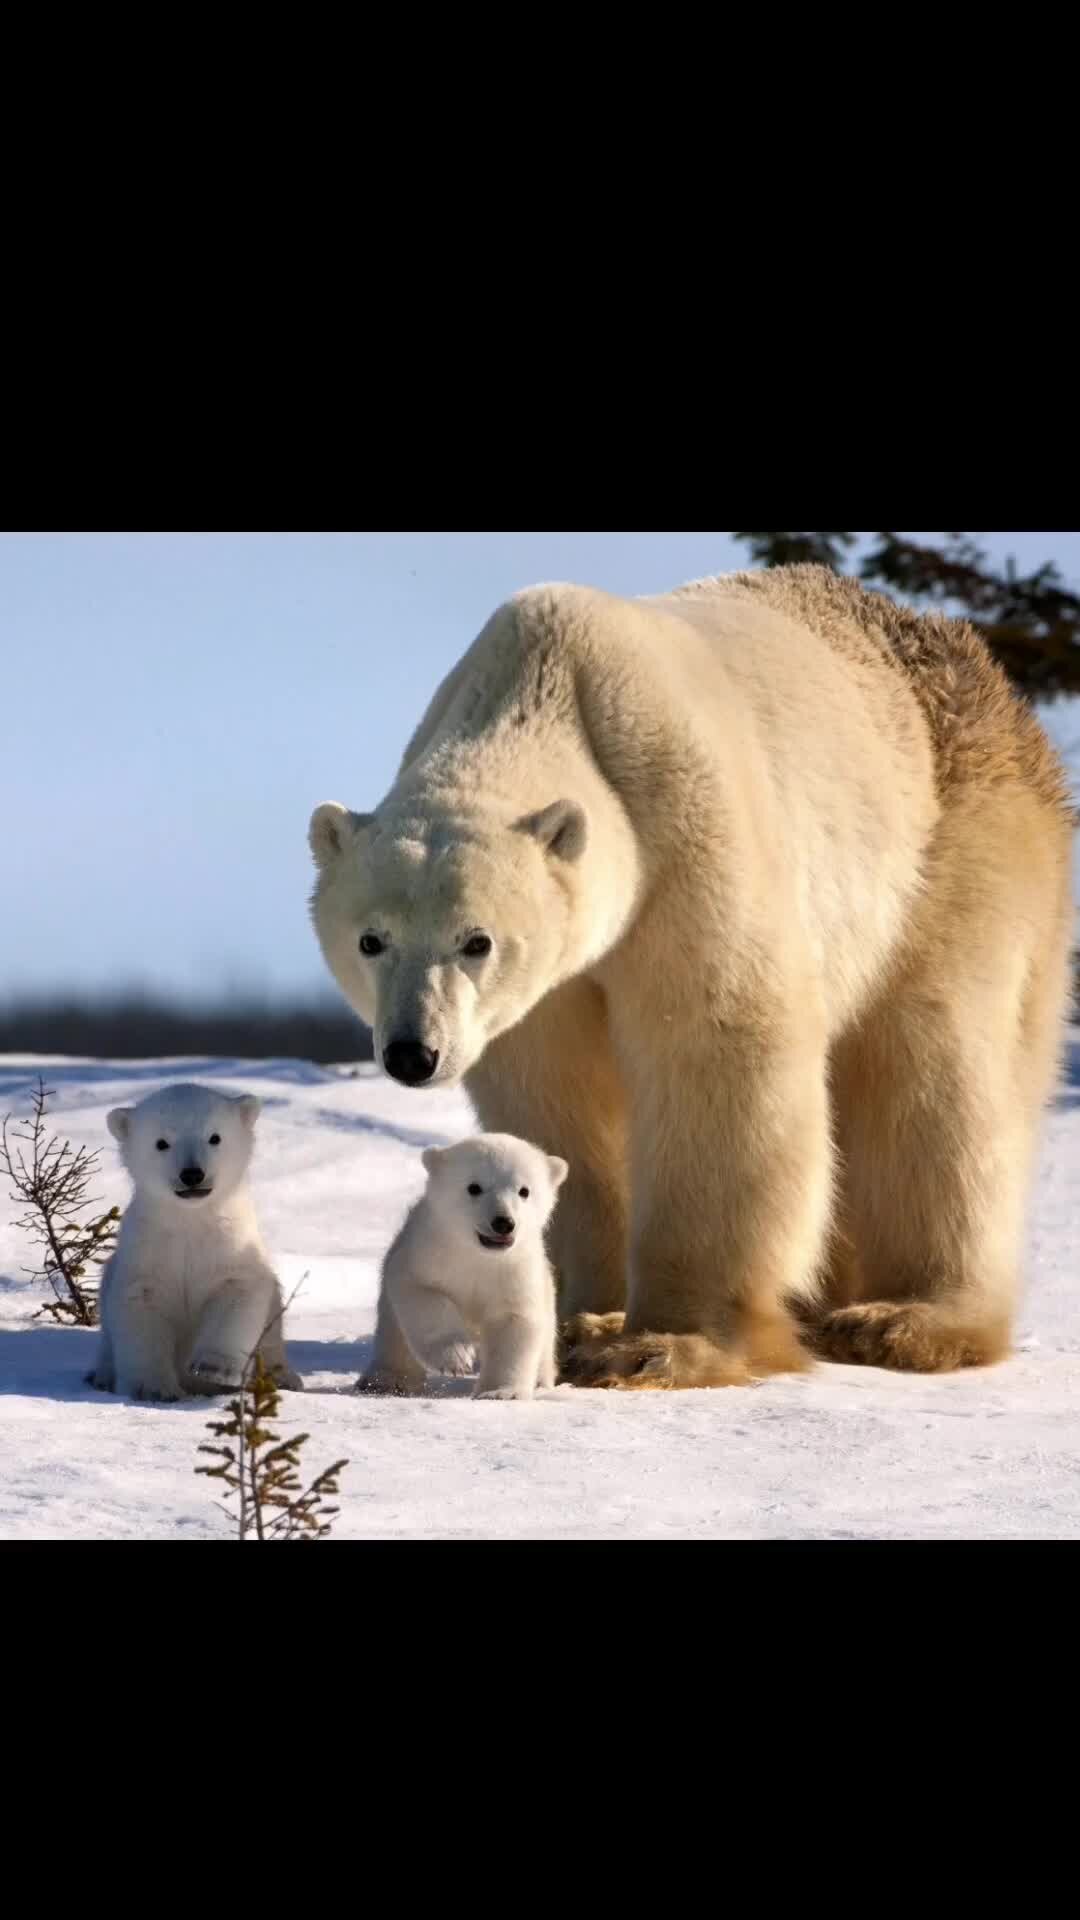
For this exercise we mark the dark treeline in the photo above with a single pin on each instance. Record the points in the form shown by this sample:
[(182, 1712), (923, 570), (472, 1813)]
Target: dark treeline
[(143, 1027)]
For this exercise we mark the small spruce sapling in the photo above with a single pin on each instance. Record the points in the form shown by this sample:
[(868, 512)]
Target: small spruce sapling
[(261, 1469), (49, 1180)]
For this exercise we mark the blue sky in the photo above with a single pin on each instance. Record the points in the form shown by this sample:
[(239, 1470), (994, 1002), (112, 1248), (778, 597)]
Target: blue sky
[(176, 703)]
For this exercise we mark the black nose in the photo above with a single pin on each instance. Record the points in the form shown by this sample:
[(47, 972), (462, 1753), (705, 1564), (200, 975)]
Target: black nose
[(409, 1062), (501, 1224), (192, 1176)]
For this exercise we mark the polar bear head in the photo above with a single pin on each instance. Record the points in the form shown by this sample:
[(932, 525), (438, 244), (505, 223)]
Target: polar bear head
[(187, 1146), (444, 929), (492, 1191)]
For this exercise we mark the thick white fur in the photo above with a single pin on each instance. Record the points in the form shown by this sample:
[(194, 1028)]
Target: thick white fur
[(189, 1293), (443, 1290), (777, 880)]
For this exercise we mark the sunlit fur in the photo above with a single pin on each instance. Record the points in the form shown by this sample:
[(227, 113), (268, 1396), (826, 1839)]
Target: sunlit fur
[(189, 1291), (778, 879), (450, 1294)]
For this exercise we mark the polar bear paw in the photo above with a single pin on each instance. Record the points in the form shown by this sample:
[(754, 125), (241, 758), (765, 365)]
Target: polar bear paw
[(457, 1359), (213, 1373), (287, 1378), (578, 1335), (644, 1362), (149, 1389), (381, 1381)]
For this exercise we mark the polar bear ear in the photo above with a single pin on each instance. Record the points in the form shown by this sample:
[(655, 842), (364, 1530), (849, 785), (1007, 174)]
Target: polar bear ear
[(332, 829), (119, 1122), (430, 1158), (249, 1107), (562, 829), (558, 1170)]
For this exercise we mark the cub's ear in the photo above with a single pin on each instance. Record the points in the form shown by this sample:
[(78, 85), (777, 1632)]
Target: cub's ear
[(562, 829), (332, 830), (249, 1107), (119, 1122), (558, 1169), (430, 1158)]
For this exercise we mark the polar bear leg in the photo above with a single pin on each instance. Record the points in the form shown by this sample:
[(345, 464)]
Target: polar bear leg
[(553, 1080)]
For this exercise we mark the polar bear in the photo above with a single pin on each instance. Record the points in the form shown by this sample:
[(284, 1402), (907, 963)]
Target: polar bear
[(753, 902), (469, 1265), (189, 1291)]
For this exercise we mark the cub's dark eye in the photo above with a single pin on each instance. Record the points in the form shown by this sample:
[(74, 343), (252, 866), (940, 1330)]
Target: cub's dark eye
[(475, 1190), (215, 1139), (476, 947), (163, 1146), (523, 1193), (370, 944)]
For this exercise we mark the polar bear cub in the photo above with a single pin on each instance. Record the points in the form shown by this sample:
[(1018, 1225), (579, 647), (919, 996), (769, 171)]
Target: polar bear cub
[(189, 1291), (469, 1265)]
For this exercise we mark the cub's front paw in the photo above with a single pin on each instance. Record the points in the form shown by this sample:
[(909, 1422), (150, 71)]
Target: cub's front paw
[(504, 1393)]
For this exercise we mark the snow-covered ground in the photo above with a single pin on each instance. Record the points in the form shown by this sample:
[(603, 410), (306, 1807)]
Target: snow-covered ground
[(841, 1453)]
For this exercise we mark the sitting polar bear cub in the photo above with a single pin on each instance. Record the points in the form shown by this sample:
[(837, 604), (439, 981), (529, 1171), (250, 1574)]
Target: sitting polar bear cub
[(189, 1292), (469, 1264)]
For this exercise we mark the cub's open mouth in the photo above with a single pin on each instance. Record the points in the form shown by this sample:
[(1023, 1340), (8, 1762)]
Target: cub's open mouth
[(496, 1245), (192, 1193)]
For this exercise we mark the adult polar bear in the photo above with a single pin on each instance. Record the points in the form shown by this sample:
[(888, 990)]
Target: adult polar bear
[(751, 901)]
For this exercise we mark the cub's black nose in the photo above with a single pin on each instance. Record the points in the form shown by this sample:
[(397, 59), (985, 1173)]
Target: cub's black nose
[(501, 1224), (409, 1062), (192, 1176)]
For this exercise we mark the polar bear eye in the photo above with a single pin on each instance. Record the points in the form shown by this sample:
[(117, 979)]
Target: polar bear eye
[(370, 945), (163, 1146), (475, 1190), (477, 946), (215, 1139), (523, 1193)]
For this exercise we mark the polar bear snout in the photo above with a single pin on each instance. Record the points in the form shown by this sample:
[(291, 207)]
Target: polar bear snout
[(193, 1184), (501, 1234), (410, 1062)]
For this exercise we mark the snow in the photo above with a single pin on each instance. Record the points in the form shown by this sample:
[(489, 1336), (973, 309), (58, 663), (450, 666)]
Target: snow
[(842, 1453)]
